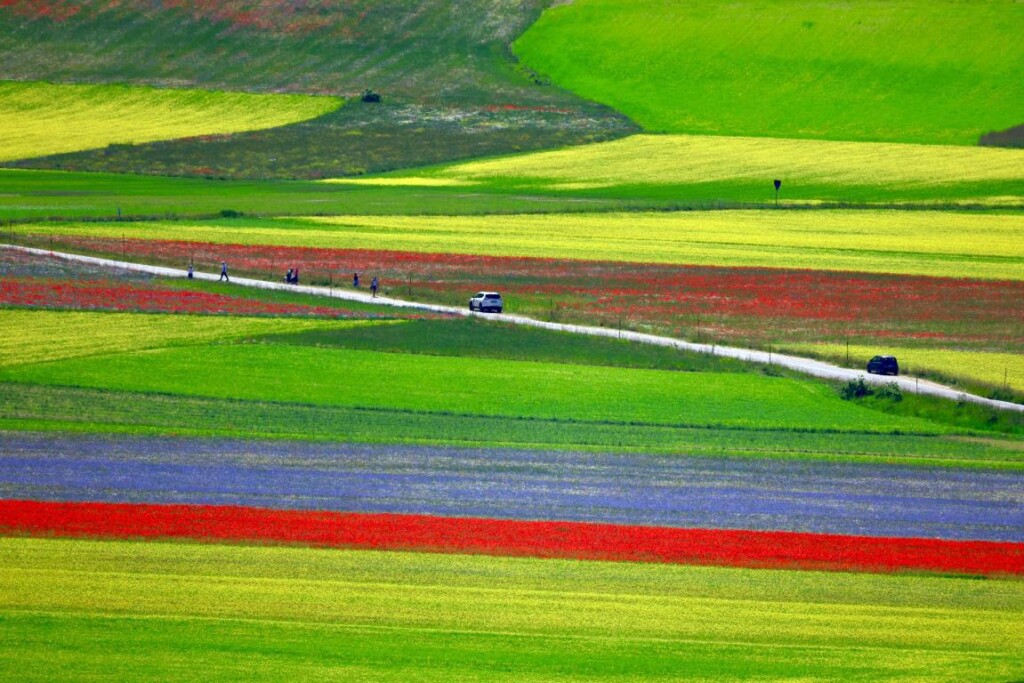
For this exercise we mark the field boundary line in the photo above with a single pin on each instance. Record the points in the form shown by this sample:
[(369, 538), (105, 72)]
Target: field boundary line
[(808, 366)]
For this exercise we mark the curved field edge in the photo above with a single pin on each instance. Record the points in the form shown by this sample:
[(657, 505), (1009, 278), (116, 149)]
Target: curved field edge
[(39, 119), (859, 71), (579, 540), (871, 241), (308, 613)]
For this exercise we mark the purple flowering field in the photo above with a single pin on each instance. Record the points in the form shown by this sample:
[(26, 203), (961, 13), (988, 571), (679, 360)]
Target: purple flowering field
[(677, 491)]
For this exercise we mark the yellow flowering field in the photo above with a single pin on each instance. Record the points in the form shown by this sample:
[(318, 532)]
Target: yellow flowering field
[(981, 366), (938, 243), (320, 614), (38, 119), (675, 159), (39, 336), (919, 243)]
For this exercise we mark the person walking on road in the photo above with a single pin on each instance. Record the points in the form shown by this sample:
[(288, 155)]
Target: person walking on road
[(191, 270), (355, 279), (373, 285), (224, 271)]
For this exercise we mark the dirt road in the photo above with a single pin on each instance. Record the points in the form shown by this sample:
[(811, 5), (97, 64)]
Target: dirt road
[(807, 366)]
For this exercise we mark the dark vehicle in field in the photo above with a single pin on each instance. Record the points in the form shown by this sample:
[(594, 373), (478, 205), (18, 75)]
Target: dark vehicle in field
[(883, 365), (486, 302)]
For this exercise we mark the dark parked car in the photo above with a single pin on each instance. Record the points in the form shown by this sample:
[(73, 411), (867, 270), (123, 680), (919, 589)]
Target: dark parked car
[(883, 365)]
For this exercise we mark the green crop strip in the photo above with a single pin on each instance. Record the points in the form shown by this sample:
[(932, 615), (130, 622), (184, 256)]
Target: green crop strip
[(51, 408), (153, 610), (472, 337), (469, 386), (41, 195), (907, 71)]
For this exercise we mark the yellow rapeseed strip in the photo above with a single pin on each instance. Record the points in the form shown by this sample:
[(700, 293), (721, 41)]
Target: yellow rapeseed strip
[(39, 336), (981, 366), (938, 243), (671, 159), (922, 243), (37, 119), (901, 616)]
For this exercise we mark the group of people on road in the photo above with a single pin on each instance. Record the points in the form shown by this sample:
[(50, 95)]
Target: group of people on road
[(374, 283), (291, 277)]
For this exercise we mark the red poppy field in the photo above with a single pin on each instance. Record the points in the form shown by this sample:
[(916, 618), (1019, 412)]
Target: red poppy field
[(115, 296), (743, 306), (424, 533)]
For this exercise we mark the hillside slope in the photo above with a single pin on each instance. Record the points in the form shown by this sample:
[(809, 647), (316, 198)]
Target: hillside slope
[(895, 71), (431, 49), (450, 85)]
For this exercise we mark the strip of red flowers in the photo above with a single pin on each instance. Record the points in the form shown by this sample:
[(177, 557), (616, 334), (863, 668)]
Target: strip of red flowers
[(111, 296), (766, 549), (746, 305)]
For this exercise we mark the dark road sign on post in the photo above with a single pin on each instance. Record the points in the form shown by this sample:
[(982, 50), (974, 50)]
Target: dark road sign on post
[(778, 184)]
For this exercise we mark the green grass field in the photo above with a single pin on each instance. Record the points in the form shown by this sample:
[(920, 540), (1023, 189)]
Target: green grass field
[(475, 338), (907, 71), (51, 195), (37, 119), (467, 386), (362, 381), (178, 611)]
